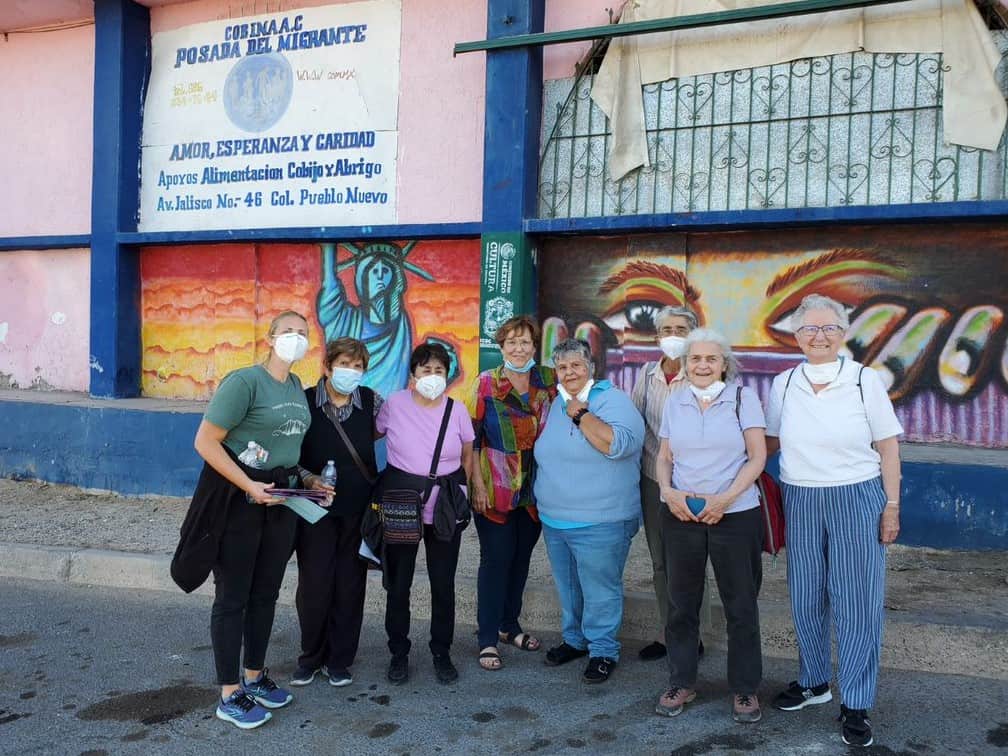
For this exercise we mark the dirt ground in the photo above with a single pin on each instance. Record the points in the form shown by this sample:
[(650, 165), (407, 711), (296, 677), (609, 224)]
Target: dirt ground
[(969, 587)]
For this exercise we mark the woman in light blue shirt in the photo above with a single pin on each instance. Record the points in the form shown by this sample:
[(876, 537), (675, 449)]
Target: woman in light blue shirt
[(587, 488), (713, 432)]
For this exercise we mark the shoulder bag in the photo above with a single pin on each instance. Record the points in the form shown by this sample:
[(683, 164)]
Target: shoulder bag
[(402, 508)]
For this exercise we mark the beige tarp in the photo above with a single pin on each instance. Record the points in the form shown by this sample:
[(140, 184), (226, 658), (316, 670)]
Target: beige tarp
[(974, 108)]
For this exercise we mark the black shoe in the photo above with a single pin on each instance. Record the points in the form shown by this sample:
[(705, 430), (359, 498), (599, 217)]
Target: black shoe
[(339, 677), (562, 654), (855, 727), (445, 670), (598, 669), (652, 652), (797, 697), (398, 670)]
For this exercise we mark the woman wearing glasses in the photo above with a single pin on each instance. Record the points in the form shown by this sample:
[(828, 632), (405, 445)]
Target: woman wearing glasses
[(839, 442), (511, 403)]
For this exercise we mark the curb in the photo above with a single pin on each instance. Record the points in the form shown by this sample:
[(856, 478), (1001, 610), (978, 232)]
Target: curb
[(911, 642)]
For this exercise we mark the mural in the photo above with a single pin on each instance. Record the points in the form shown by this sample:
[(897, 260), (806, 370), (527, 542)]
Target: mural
[(927, 307), (206, 309)]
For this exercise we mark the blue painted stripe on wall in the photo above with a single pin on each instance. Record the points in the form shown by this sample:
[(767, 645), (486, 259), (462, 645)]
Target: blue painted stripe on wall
[(322, 233), (142, 451), (129, 451), (740, 219), (69, 241)]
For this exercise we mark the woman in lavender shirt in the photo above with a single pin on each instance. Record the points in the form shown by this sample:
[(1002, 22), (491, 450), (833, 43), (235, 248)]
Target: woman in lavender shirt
[(713, 447), (410, 420)]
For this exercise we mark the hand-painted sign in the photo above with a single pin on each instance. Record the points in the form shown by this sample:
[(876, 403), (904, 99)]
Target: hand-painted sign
[(274, 121)]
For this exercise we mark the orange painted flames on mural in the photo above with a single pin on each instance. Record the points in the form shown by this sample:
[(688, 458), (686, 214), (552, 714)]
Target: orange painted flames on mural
[(198, 327)]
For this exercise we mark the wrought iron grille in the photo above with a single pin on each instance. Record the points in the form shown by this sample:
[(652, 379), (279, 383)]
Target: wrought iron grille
[(852, 129)]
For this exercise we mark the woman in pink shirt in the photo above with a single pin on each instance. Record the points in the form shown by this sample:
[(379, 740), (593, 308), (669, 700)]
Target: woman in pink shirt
[(411, 420)]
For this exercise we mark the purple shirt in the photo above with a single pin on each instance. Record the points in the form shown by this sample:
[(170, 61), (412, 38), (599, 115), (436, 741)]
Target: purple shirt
[(708, 449), (411, 432)]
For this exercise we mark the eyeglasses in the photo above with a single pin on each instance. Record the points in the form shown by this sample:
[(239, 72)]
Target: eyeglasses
[(514, 343), (810, 331)]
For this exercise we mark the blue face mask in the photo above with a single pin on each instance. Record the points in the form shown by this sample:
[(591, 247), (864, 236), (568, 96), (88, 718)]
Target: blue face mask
[(345, 380), (522, 369)]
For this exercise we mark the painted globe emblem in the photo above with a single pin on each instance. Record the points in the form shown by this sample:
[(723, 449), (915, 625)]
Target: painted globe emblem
[(498, 310), (257, 91)]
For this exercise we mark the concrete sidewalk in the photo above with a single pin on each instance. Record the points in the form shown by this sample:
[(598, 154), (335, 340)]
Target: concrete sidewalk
[(946, 610)]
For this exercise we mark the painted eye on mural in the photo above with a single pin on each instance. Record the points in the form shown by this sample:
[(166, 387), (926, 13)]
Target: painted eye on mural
[(634, 294), (849, 276), (638, 315)]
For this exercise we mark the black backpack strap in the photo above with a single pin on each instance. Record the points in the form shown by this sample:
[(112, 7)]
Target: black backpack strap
[(863, 405), (738, 405), (787, 385), (432, 475)]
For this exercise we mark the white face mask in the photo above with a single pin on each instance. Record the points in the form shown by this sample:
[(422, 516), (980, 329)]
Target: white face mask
[(582, 394), (824, 373), (345, 380), (290, 347), (431, 386), (672, 346), (710, 393)]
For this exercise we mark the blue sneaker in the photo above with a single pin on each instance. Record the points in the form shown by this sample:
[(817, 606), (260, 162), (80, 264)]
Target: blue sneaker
[(241, 710), (266, 692)]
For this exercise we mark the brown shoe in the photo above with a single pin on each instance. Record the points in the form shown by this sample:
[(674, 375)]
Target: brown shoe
[(672, 701), (745, 708)]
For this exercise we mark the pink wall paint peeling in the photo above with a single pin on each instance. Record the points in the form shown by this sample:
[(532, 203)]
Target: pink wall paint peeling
[(44, 319), (441, 100), (46, 117)]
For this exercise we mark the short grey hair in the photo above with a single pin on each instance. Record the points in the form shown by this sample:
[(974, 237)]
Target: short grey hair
[(710, 336), (576, 347), (819, 302), (675, 312)]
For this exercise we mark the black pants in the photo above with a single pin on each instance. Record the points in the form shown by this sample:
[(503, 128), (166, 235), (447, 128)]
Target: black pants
[(330, 595), (400, 561), (505, 552), (254, 550), (734, 546)]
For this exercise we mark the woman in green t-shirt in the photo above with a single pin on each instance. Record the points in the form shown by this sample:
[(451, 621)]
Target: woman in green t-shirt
[(261, 409)]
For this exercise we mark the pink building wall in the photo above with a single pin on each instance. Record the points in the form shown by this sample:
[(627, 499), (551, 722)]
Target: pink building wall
[(45, 118), (561, 15), (44, 319), (441, 99)]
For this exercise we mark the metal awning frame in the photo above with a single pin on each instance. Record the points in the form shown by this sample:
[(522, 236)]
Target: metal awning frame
[(696, 21)]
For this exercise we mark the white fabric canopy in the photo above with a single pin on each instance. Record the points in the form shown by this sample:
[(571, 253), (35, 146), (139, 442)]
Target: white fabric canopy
[(974, 111)]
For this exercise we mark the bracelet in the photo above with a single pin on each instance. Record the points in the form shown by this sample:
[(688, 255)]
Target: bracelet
[(578, 415), (892, 501)]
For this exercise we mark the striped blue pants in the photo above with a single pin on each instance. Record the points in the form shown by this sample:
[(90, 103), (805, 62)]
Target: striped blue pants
[(836, 570)]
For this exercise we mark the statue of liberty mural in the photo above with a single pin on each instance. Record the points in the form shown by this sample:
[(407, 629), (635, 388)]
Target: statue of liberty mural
[(380, 319)]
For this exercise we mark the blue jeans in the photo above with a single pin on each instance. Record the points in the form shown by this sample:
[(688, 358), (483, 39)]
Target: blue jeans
[(588, 570)]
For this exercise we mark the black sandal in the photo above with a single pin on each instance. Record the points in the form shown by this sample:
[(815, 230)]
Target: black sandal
[(491, 653), (528, 641)]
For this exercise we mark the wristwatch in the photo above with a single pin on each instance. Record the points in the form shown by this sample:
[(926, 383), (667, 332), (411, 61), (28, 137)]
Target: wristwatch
[(578, 415)]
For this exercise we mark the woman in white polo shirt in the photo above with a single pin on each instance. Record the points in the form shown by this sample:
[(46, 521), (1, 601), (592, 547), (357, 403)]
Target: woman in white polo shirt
[(840, 469)]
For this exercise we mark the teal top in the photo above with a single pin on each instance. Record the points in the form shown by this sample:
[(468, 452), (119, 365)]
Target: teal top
[(252, 405)]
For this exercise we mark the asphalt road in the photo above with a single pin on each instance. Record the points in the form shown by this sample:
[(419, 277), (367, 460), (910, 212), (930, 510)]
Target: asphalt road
[(99, 671)]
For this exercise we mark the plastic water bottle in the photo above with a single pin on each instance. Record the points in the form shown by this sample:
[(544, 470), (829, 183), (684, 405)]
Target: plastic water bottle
[(329, 473), (254, 456)]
